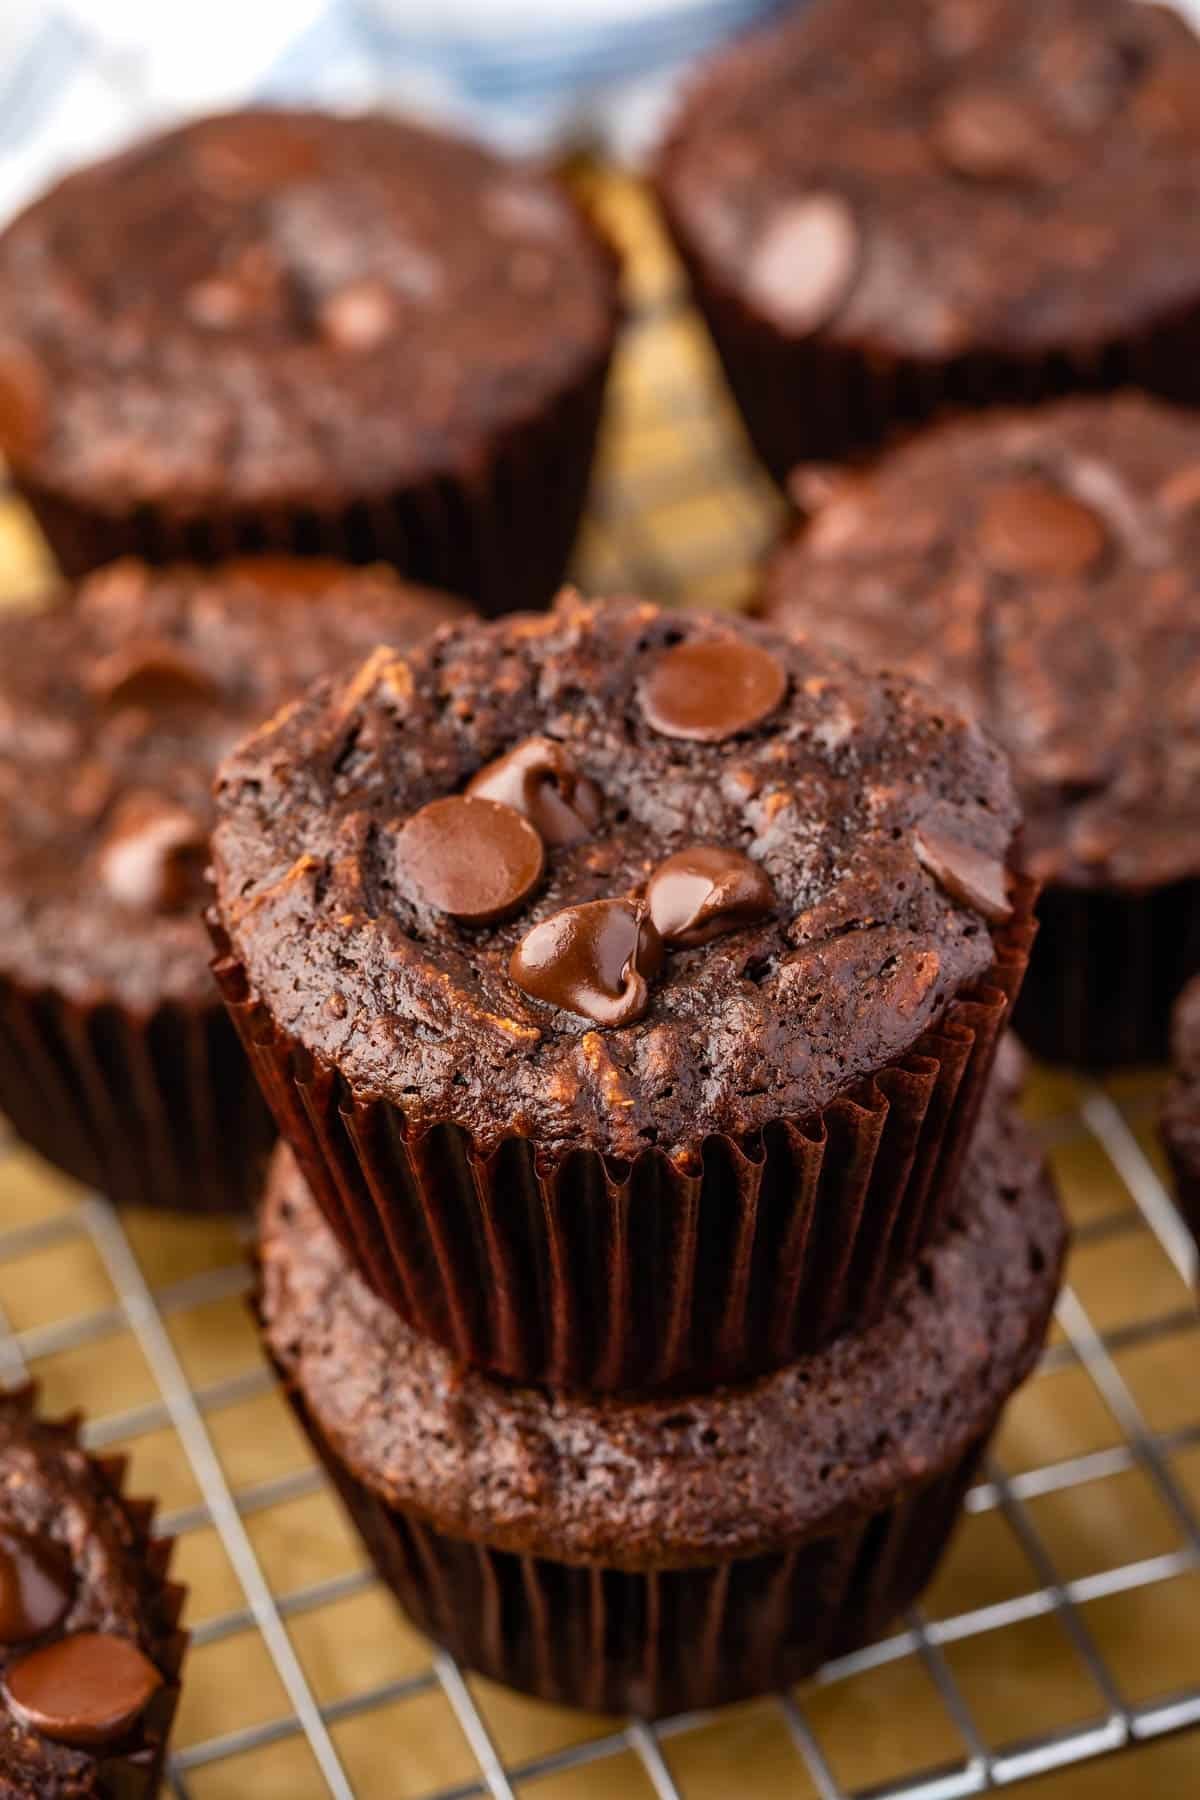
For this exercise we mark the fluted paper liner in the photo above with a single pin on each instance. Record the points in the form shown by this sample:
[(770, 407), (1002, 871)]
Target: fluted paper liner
[(156, 1111), (579, 1271), (661, 1641), (1107, 971), (132, 1773), (498, 531), (815, 398)]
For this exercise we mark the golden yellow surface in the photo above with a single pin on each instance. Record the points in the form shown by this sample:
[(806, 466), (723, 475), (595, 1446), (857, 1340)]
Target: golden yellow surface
[(680, 511)]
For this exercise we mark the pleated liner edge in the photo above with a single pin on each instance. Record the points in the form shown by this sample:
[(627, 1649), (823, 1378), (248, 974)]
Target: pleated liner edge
[(578, 1272), (655, 1642), (156, 1111)]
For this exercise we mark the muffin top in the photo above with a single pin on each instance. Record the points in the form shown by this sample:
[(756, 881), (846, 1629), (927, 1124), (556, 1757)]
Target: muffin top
[(88, 1648), (1044, 569), (611, 876), (115, 708), (679, 1480), (941, 176), (288, 307)]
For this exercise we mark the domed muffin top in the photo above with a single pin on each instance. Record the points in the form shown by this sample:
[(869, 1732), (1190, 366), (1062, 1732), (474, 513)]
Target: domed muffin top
[(115, 707), (284, 306), (1043, 568), (611, 876), (1017, 176)]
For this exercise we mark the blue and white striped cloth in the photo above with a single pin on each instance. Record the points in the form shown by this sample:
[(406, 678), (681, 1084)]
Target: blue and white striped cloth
[(79, 76)]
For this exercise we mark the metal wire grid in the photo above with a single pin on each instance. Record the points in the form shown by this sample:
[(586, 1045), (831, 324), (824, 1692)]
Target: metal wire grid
[(1118, 1723), (706, 470)]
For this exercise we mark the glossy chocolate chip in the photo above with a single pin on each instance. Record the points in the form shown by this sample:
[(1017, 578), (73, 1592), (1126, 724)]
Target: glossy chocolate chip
[(710, 688), (37, 1585), (595, 960), (704, 891), (154, 854), (968, 875), (1032, 527), (150, 673), (84, 1690), (541, 779), (474, 859), (989, 135), (805, 262)]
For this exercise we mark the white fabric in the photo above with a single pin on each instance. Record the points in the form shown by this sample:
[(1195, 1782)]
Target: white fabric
[(80, 76)]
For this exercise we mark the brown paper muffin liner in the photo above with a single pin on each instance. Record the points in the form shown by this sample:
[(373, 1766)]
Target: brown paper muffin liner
[(579, 1271), (812, 399), (152, 1111), (1106, 973), (655, 1642), (133, 1774), (498, 532)]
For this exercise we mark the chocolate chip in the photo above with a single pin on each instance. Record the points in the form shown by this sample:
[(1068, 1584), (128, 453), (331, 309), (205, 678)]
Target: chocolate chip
[(154, 855), (596, 960), (540, 778), (710, 688), (968, 875), (153, 673), (83, 1690), (23, 405), (988, 135), (1030, 527), (37, 1586), (474, 859), (358, 316), (699, 893), (805, 262)]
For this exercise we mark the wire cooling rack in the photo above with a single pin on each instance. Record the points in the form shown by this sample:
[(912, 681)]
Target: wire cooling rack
[(1065, 1624)]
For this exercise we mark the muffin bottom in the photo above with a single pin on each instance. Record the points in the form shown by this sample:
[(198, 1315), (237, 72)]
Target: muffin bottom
[(657, 1642), (659, 1555)]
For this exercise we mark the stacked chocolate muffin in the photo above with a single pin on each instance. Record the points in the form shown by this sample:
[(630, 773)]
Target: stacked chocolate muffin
[(653, 1251)]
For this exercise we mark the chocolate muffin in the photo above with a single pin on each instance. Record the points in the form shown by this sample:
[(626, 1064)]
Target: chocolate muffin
[(624, 982), (1181, 1105), (292, 332), (117, 1061), (661, 1554), (1043, 569), (886, 209), (90, 1646)]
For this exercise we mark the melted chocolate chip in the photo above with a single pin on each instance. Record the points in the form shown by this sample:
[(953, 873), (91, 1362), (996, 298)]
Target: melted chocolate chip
[(595, 959), (710, 688), (472, 858), (153, 857), (1030, 527), (702, 892), (84, 1690), (805, 261), (541, 780), (150, 673), (966, 874), (37, 1586)]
